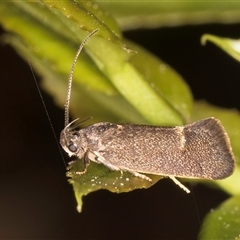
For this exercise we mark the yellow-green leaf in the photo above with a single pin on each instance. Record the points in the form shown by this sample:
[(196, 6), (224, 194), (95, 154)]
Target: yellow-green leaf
[(223, 222), (230, 46), (101, 177)]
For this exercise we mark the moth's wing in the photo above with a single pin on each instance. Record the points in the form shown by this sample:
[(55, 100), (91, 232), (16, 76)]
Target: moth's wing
[(199, 150), (100, 137), (208, 144)]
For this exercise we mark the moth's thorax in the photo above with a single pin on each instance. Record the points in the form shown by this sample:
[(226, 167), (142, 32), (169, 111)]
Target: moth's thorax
[(74, 142), (100, 135)]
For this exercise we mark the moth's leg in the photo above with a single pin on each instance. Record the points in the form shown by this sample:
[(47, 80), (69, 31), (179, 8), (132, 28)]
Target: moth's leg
[(179, 184), (136, 174), (72, 162), (121, 173), (86, 162)]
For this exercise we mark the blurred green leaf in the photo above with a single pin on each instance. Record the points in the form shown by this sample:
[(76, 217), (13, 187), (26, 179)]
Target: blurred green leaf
[(230, 46), (223, 222), (164, 80), (152, 14)]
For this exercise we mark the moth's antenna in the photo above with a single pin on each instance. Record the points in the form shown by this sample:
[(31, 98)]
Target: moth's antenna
[(71, 76)]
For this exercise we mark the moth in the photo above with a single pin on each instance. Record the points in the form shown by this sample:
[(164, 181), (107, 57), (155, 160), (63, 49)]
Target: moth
[(198, 150)]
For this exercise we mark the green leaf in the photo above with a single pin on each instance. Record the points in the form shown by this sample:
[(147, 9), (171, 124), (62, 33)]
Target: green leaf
[(230, 119), (152, 14), (82, 16), (164, 80), (230, 46), (101, 177), (223, 222), (111, 58)]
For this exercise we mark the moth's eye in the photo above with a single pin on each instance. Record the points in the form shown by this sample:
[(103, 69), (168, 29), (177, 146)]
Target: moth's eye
[(72, 147), (102, 129)]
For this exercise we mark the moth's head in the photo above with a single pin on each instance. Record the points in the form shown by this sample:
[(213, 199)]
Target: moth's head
[(73, 142)]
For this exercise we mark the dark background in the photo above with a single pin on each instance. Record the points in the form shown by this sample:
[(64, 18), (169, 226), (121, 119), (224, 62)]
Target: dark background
[(36, 200)]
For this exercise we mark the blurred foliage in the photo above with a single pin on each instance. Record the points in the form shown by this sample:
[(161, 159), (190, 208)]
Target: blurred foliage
[(223, 222), (156, 13)]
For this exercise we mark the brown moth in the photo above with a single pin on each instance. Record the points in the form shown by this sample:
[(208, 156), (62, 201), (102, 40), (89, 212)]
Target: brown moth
[(198, 150)]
